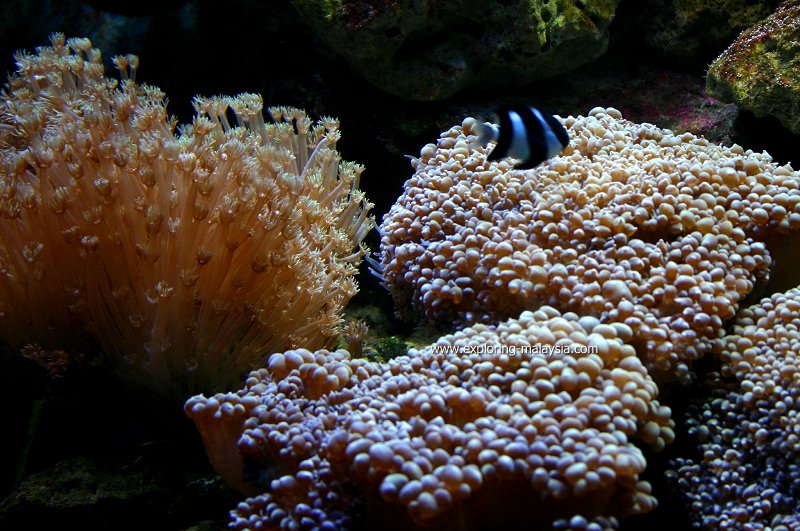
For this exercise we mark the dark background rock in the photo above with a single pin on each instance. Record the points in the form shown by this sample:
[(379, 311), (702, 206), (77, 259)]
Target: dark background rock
[(687, 33), (429, 50), (145, 491), (84, 451)]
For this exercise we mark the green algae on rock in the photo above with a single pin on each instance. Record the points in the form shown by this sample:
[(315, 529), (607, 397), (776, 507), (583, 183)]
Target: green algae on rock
[(431, 50), (761, 69)]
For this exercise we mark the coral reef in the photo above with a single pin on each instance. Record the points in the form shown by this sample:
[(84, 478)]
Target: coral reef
[(188, 257), (747, 475), (441, 436), (631, 224), (431, 50), (136, 482), (760, 71)]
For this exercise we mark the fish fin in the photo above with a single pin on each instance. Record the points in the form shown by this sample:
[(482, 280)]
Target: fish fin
[(529, 164), (376, 268), (487, 132), (558, 129), (504, 138)]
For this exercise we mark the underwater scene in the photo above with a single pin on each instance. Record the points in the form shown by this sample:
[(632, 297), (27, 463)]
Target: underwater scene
[(400, 265)]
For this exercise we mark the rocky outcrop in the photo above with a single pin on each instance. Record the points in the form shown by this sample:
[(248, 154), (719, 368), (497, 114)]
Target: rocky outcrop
[(761, 69), (426, 50)]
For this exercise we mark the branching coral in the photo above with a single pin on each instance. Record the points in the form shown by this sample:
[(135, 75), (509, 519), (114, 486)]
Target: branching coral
[(189, 257), (441, 436), (630, 224), (750, 435)]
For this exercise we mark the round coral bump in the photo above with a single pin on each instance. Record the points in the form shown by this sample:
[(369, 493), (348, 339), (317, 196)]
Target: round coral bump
[(278, 366)]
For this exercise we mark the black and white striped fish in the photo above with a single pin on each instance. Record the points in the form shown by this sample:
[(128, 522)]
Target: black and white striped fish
[(526, 134)]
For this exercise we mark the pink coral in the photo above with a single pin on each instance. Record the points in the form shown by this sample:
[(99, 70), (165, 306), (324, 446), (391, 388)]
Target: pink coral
[(438, 436), (630, 224)]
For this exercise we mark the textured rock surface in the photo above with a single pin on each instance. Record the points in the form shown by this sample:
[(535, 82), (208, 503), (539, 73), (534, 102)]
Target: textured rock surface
[(761, 69), (430, 50), (150, 490)]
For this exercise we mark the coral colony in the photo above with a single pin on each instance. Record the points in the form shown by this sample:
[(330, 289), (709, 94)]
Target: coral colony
[(188, 257), (579, 286), (443, 433), (750, 434), (630, 224), (635, 241)]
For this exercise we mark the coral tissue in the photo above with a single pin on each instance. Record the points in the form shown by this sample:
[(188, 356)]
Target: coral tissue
[(188, 256), (460, 435), (746, 472), (630, 224)]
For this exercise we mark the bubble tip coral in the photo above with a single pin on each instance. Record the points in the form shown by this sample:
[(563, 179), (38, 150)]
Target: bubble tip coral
[(748, 431), (437, 435), (631, 224)]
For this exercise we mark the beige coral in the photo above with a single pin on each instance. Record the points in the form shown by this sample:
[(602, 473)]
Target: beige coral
[(631, 223), (439, 436), (189, 257)]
